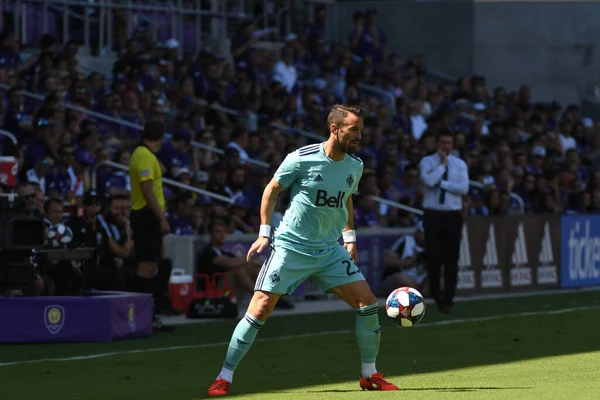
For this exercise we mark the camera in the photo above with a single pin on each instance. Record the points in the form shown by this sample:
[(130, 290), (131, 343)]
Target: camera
[(20, 235)]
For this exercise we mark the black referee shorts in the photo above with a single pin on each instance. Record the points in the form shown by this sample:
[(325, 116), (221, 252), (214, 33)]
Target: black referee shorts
[(147, 238)]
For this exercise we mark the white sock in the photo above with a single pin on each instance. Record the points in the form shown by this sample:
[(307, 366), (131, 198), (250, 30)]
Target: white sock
[(368, 369), (227, 375)]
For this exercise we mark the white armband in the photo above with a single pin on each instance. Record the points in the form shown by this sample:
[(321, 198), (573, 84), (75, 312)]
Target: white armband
[(349, 236), (265, 231)]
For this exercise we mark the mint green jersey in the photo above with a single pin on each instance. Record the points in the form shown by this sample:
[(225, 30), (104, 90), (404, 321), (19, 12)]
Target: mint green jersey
[(319, 188)]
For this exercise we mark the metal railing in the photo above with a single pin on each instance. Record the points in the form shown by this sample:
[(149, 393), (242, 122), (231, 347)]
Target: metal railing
[(167, 181), (418, 211), (8, 135), (395, 204), (310, 135), (439, 77), (131, 124), (381, 92), (515, 196), (98, 16)]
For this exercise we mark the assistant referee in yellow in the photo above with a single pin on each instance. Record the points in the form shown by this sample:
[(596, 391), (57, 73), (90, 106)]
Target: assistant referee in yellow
[(148, 220)]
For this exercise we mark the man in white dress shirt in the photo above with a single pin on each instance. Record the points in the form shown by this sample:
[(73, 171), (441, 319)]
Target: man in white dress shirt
[(446, 179)]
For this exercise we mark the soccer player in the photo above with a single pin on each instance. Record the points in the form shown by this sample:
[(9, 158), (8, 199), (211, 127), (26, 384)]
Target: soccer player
[(322, 178)]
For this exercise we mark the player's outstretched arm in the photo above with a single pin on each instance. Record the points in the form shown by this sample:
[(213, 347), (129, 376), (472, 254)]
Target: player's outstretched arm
[(267, 207), (348, 232)]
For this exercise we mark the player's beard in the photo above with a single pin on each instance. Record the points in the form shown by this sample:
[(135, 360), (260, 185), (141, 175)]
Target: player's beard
[(341, 147)]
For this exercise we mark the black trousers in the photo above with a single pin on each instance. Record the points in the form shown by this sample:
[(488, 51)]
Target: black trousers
[(147, 238), (443, 230)]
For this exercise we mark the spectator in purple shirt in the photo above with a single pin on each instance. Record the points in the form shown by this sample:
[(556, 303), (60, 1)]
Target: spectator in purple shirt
[(59, 180), (367, 38), (16, 118), (180, 219), (174, 153), (316, 30), (365, 214), (241, 44), (538, 155)]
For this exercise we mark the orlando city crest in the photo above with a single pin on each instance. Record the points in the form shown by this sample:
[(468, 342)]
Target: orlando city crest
[(131, 317), (54, 318), (350, 180)]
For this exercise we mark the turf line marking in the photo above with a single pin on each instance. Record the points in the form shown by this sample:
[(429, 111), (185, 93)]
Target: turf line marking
[(199, 346)]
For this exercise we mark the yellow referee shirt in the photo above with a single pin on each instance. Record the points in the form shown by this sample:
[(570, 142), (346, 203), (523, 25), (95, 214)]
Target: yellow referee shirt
[(144, 166)]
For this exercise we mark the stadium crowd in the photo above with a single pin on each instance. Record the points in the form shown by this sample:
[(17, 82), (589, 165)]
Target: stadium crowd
[(547, 154)]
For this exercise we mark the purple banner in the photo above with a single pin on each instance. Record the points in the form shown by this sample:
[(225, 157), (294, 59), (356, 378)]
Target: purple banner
[(103, 317)]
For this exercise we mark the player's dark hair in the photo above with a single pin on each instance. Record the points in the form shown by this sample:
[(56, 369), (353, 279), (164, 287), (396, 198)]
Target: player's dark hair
[(50, 201), (339, 112), (214, 223), (154, 131)]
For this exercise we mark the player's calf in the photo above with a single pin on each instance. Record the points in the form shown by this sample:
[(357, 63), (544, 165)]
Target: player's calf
[(243, 337)]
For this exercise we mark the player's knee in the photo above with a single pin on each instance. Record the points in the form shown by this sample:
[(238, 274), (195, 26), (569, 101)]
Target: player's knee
[(262, 304), (366, 299)]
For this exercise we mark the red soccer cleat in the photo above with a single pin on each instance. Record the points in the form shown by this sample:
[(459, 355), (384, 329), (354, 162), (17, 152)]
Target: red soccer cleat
[(376, 382), (219, 388)]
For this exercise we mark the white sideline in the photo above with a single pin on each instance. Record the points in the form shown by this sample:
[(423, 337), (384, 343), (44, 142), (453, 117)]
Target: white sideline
[(332, 305), (447, 322)]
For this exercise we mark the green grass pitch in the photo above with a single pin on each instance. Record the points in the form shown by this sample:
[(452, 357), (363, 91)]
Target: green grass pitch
[(542, 347)]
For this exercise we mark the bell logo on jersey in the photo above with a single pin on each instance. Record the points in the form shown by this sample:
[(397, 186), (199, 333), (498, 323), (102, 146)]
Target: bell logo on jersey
[(333, 202)]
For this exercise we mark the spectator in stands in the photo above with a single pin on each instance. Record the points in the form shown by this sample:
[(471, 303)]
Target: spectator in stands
[(316, 30), (239, 221), (90, 228), (17, 119), (53, 211), (240, 273), (27, 192), (404, 264), (239, 141), (175, 153), (38, 173), (181, 217), (284, 71), (61, 181), (116, 247), (365, 212), (242, 42)]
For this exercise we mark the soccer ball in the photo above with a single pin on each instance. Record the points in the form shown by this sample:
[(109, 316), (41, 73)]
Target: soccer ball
[(59, 236), (405, 306)]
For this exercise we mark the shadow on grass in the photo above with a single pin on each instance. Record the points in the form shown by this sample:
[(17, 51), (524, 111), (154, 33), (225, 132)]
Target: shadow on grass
[(432, 389)]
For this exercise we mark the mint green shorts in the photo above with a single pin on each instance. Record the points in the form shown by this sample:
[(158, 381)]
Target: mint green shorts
[(284, 270)]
